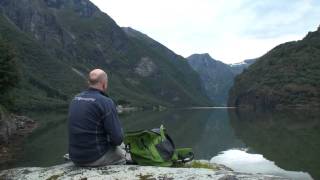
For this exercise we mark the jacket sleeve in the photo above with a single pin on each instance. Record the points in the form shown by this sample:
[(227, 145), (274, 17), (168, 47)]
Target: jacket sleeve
[(112, 124)]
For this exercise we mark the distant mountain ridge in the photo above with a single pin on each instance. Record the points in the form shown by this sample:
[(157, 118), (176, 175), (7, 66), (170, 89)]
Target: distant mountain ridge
[(59, 41), (237, 68), (216, 76), (287, 76)]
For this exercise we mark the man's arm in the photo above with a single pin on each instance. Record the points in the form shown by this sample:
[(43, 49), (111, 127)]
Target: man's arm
[(112, 124)]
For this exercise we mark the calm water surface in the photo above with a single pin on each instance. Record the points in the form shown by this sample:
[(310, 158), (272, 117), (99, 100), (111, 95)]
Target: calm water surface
[(281, 143)]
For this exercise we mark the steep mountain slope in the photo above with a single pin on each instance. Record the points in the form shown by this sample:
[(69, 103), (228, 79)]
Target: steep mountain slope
[(216, 77), (175, 66), (287, 76), (59, 41)]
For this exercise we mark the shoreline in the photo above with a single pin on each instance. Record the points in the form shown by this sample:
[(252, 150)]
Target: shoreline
[(211, 107)]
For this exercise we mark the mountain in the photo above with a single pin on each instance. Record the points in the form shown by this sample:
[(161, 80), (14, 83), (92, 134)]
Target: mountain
[(238, 68), (58, 42), (175, 65), (216, 77), (287, 76)]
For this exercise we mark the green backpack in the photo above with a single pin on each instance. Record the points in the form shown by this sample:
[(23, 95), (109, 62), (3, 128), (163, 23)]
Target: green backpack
[(155, 148)]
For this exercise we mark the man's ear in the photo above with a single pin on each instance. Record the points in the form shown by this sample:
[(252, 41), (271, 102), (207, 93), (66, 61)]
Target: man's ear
[(104, 86)]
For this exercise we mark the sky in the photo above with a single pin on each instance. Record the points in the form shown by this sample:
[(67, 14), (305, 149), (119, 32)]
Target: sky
[(229, 30)]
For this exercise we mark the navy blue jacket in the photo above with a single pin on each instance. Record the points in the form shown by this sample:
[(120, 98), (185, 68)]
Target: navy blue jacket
[(93, 126)]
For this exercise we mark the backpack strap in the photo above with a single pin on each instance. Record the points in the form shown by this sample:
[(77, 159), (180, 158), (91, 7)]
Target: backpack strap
[(184, 155), (127, 148)]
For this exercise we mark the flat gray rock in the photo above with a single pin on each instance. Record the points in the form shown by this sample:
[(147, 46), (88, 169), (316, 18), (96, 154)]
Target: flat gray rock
[(69, 171)]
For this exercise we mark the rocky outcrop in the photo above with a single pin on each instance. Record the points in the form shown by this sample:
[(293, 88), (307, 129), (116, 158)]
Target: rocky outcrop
[(145, 67), (69, 171)]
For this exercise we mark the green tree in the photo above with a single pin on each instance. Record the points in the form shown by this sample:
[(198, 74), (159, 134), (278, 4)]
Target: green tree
[(9, 74)]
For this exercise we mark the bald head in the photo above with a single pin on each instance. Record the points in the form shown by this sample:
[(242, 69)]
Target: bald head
[(98, 79)]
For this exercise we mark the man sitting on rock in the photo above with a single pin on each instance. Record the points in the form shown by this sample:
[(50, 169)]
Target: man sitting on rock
[(95, 132)]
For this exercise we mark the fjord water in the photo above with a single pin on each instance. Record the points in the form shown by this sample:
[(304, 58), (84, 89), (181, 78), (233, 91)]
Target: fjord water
[(283, 143)]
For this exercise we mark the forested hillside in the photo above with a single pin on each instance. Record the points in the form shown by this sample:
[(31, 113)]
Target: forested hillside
[(287, 76)]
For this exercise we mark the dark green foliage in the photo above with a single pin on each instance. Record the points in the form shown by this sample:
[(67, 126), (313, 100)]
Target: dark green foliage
[(8, 67), (9, 73), (287, 76), (41, 74)]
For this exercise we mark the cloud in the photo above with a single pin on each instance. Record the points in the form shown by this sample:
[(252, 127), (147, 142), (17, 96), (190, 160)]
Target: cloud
[(272, 19), (230, 30)]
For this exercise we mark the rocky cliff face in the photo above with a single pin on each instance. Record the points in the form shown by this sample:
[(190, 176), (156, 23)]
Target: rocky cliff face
[(216, 77), (59, 41), (287, 76)]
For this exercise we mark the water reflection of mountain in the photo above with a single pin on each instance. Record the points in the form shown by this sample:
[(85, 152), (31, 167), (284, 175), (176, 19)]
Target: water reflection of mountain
[(290, 138), (208, 132)]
